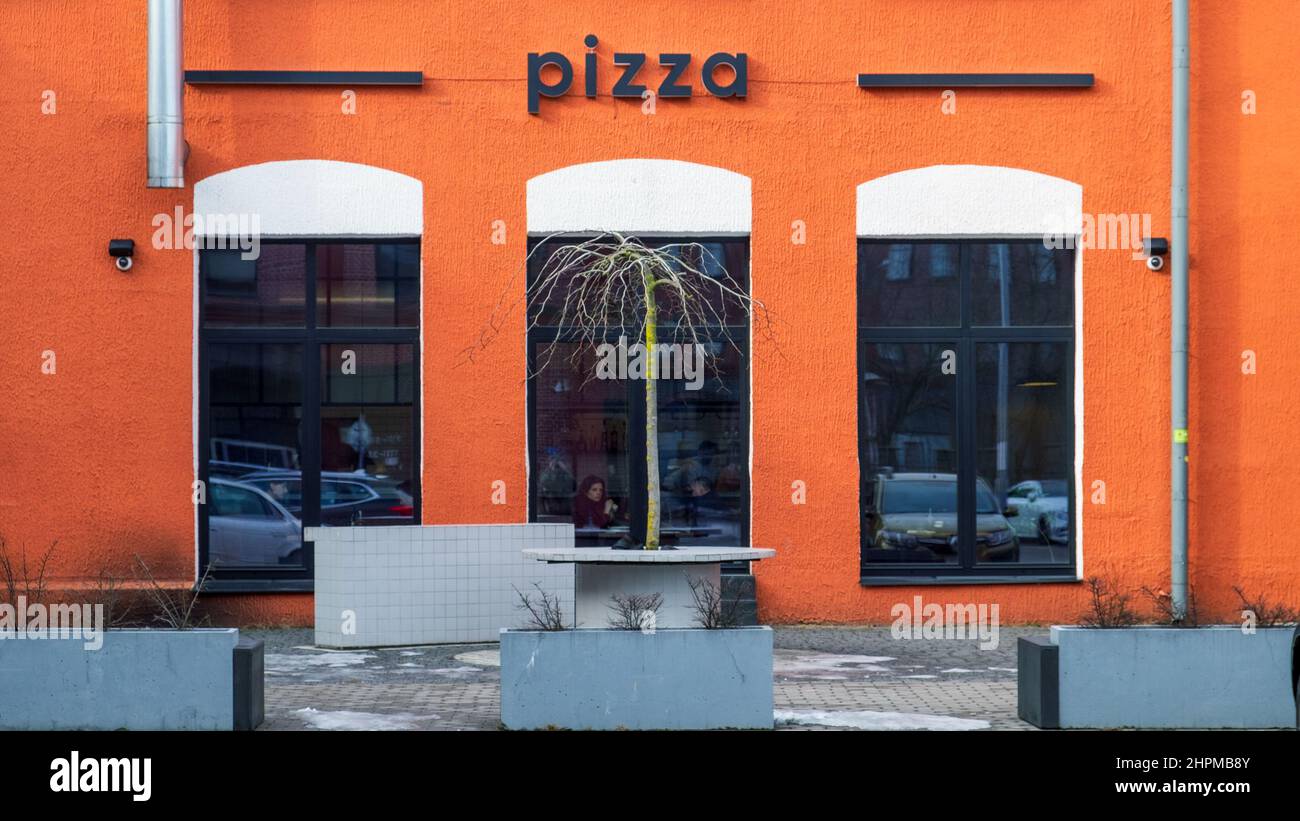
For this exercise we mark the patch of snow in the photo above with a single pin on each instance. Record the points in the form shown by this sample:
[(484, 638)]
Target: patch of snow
[(919, 676), (296, 663), (958, 670), (483, 658), (1004, 669), (412, 653), (314, 649), (455, 671), (872, 720), (817, 665), (350, 720)]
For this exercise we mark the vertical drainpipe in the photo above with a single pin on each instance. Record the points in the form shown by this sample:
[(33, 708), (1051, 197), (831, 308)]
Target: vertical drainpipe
[(166, 137), (1178, 317)]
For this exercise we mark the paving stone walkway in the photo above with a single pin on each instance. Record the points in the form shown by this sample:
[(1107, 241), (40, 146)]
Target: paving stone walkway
[(825, 678)]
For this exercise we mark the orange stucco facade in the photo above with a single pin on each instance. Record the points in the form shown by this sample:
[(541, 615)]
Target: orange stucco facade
[(100, 455)]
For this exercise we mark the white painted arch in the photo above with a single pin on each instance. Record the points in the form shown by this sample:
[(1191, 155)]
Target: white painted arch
[(969, 200), (317, 198), (642, 196)]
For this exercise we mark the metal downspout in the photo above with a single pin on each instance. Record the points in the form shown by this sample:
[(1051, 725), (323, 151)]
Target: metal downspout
[(1178, 311)]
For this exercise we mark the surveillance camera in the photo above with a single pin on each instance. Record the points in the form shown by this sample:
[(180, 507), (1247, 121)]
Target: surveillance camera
[(122, 250), (1155, 263), (1155, 246)]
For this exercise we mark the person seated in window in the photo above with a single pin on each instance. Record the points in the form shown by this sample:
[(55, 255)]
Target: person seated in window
[(591, 508), (691, 477), (704, 506), (730, 476), (555, 484)]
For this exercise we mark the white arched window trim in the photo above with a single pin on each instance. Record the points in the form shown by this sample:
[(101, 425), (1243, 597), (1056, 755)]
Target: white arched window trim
[(317, 198), (640, 196), (969, 201), (974, 201)]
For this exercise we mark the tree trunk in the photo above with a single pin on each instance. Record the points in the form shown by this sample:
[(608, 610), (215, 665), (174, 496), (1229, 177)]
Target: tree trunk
[(651, 416)]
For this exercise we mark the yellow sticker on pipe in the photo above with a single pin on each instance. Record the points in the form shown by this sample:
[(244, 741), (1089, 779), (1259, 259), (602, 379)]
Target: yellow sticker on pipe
[(1180, 436)]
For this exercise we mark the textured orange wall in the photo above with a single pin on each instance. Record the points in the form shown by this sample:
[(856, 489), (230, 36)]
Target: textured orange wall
[(1244, 180), (100, 455)]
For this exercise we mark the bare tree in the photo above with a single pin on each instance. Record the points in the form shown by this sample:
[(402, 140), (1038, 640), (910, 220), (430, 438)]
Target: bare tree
[(629, 611), (175, 608), (21, 579), (1163, 603), (1108, 605), (1267, 613), (616, 284), (713, 610), (544, 612), (110, 590)]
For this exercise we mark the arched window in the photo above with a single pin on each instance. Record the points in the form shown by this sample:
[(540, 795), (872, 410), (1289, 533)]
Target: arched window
[(968, 309), (583, 430), (308, 332)]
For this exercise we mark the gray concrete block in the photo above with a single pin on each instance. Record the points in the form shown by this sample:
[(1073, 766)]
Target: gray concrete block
[(1038, 682), (250, 683), (1169, 677), (138, 680), (672, 679)]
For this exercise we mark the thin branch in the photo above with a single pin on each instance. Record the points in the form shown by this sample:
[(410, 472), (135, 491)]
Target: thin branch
[(593, 289)]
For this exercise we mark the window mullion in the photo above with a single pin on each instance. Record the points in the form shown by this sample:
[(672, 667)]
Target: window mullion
[(967, 392), (966, 453), (309, 461)]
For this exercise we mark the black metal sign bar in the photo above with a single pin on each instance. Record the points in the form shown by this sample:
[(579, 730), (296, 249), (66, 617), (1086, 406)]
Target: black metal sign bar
[(306, 78), (975, 81)]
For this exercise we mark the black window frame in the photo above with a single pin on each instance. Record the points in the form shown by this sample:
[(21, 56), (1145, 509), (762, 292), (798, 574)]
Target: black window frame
[(636, 453), (963, 339), (287, 578)]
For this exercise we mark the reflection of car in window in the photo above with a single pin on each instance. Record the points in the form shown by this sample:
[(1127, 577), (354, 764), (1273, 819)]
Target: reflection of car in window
[(913, 518), (1040, 510), (248, 527), (345, 498)]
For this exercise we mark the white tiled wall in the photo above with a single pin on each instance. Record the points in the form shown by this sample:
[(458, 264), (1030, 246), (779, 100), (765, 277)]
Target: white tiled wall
[(431, 584)]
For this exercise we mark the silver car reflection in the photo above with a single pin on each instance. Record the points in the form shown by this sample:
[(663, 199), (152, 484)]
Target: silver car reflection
[(1040, 510), (247, 527)]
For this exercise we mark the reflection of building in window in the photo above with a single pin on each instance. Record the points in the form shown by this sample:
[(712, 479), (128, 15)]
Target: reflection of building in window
[(256, 398), (943, 260), (898, 265)]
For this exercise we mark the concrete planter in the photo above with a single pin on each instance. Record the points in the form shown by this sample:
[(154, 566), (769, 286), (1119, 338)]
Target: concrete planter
[(138, 680), (671, 679), (1167, 677)]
